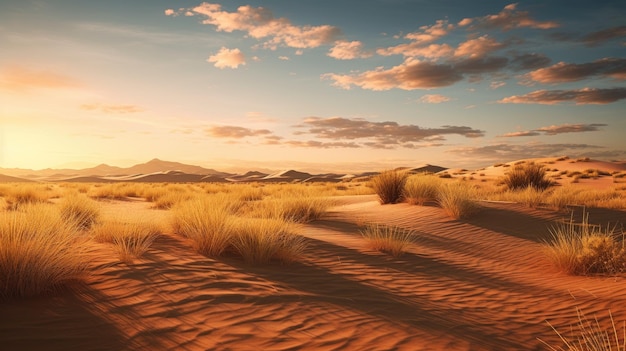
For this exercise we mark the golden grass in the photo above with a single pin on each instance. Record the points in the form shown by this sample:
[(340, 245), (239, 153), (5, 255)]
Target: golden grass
[(24, 194), (131, 240), (208, 221), (260, 240), (298, 209), (79, 209), (388, 239), (389, 186), (117, 191), (39, 251), (458, 200), (589, 335), (583, 248), (525, 175), (421, 188)]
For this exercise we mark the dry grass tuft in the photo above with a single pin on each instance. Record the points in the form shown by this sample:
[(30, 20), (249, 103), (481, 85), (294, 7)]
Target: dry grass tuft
[(389, 239), (131, 240), (260, 240), (209, 222), (529, 174), (389, 186), (39, 251), (588, 335), (79, 209), (298, 209), (457, 199), (421, 188), (583, 248), (25, 194)]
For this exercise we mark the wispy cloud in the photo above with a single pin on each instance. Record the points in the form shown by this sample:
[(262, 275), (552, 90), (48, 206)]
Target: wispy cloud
[(260, 23), (580, 97), (504, 151), (557, 129), (509, 18), (433, 99), (527, 61), (235, 132), (604, 35), (570, 72), (227, 58), (348, 50), (21, 79), (109, 108)]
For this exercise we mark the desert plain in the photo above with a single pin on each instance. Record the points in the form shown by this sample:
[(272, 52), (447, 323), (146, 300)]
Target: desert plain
[(481, 281)]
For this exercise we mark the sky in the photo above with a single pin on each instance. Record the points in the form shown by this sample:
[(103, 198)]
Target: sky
[(315, 85)]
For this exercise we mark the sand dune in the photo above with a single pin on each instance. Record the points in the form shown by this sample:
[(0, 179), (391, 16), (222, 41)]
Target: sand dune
[(480, 284)]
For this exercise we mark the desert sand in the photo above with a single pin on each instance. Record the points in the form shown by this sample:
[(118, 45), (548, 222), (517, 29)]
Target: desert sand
[(481, 283)]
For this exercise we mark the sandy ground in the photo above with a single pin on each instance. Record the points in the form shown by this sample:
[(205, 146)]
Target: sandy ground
[(476, 284)]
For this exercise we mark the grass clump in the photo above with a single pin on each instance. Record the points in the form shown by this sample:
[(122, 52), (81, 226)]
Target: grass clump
[(131, 240), (79, 209), (389, 186), (388, 239), (457, 200), (584, 249), (25, 194), (421, 188), (529, 174), (39, 251), (209, 222), (589, 335), (301, 209), (260, 240)]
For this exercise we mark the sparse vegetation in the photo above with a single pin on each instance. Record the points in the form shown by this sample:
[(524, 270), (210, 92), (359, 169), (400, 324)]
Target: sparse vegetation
[(389, 186), (421, 188), (589, 335), (39, 251), (79, 209), (525, 175), (583, 248), (389, 239), (131, 240), (260, 240), (457, 199)]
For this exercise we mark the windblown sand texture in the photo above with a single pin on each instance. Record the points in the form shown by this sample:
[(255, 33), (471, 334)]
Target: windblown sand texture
[(481, 283)]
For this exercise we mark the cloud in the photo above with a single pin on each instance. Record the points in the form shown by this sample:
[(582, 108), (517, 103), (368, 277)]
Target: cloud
[(580, 97), (433, 99), (507, 19), (260, 23), (570, 72), (415, 49), (496, 84), (429, 34), (478, 47), (322, 145), (504, 151), (235, 132), (111, 109), (523, 62), (348, 50), (570, 128), (599, 37), (170, 12), (21, 79), (227, 58), (554, 130), (410, 75), (380, 134)]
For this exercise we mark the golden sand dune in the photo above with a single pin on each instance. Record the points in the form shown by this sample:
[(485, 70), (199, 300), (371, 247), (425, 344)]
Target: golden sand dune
[(479, 284)]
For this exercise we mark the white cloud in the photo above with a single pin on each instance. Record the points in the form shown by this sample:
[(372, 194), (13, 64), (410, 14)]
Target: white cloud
[(228, 58)]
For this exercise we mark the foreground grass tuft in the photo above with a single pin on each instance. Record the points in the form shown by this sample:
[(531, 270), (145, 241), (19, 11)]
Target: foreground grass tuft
[(131, 240), (421, 188), (79, 209), (389, 186), (39, 251), (260, 240), (527, 175), (389, 239), (588, 335), (457, 200), (583, 248)]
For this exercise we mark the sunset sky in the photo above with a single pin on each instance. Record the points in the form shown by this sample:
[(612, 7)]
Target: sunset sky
[(310, 84)]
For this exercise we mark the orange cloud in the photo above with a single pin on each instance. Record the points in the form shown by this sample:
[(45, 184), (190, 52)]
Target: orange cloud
[(599, 37), (580, 97), (498, 152), (348, 50), (228, 58), (111, 108), (260, 23), (21, 79), (235, 132), (507, 19), (433, 99), (557, 129), (570, 72), (478, 47)]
